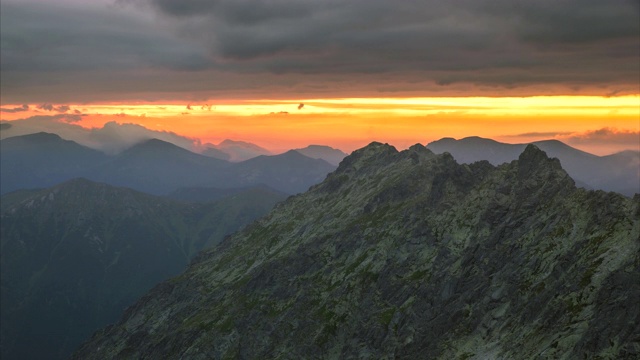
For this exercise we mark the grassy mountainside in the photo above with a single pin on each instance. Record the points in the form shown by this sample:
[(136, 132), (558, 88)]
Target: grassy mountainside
[(74, 256), (407, 255)]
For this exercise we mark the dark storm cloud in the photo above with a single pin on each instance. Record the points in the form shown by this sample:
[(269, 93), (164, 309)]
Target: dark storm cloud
[(520, 42), (152, 45), (53, 37), (22, 108)]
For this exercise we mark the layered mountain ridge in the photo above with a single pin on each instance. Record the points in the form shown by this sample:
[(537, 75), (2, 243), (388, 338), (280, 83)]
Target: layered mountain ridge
[(407, 255), (153, 166), (618, 172), (74, 256)]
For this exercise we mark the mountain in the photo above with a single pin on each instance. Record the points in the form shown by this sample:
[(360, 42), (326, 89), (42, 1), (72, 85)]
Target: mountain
[(207, 194), (328, 154), (42, 160), (622, 172), (407, 255), (74, 256), (153, 166), (240, 150), (215, 153), (159, 167), (618, 172), (290, 172)]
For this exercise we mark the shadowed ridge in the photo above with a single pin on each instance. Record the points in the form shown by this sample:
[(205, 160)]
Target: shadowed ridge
[(533, 162), (375, 152)]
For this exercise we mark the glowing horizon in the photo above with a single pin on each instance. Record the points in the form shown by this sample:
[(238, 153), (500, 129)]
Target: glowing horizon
[(349, 123)]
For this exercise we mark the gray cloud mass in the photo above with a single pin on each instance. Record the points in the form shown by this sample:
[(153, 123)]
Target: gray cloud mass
[(495, 43)]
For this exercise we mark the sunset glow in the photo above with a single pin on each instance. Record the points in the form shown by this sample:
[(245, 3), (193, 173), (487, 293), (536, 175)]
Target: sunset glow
[(349, 123), (358, 73)]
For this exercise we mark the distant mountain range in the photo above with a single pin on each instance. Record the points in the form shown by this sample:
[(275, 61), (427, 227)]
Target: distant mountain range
[(74, 256), (153, 166), (158, 167), (618, 172), (42, 160), (241, 150), (407, 255), (329, 154)]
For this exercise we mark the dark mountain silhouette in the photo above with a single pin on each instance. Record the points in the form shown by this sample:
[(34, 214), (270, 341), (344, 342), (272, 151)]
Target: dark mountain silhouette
[(154, 166), (407, 255), (159, 167), (74, 256), (617, 172), (329, 154), (290, 172), (42, 160)]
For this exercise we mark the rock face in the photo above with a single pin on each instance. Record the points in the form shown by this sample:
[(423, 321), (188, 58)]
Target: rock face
[(407, 255)]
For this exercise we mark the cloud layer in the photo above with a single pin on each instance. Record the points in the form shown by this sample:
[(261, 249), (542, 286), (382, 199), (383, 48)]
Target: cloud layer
[(238, 46), (112, 138)]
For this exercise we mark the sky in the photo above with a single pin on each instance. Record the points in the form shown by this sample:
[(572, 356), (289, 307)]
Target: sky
[(287, 73)]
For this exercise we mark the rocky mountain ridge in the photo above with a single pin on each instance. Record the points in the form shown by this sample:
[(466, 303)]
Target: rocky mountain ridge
[(408, 255), (618, 172)]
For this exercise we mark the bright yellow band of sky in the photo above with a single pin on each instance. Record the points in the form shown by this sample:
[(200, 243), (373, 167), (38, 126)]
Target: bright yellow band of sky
[(544, 105), (349, 123)]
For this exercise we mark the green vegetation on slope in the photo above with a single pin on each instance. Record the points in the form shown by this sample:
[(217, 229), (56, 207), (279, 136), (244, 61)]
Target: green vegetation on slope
[(74, 256), (407, 255)]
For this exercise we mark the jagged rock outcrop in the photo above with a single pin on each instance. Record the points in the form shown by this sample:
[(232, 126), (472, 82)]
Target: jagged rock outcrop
[(407, 255)]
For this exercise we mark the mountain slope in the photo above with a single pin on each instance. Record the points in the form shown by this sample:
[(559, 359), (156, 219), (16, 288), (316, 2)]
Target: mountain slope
[(159, 167), (618, 172), (207, 194), (75, 255), (42, 160), (407, 255), (153, 166), (290, 172)]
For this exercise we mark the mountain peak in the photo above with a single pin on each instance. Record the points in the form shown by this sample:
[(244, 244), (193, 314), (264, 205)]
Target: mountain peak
[(375, 250), (374, 152), (532, 155), (331, 155), (41, 137), (535, 168)]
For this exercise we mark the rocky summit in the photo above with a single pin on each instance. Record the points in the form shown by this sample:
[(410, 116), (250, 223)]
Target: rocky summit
[(408, 255)]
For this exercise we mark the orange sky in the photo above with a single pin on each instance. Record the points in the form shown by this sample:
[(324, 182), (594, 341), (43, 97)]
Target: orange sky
[(600, 125)]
